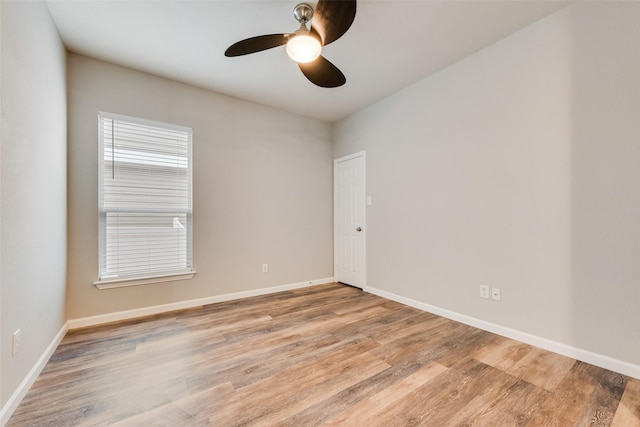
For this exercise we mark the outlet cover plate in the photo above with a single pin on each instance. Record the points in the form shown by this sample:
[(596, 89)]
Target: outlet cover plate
[(484, 291), (16, 338), (495, 294)]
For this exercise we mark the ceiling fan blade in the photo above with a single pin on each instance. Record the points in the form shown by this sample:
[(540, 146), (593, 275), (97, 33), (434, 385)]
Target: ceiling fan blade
[(323, 73), (332, 18), (256, 44)]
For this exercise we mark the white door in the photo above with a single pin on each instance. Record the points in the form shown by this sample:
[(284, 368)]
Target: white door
[(349, 219)]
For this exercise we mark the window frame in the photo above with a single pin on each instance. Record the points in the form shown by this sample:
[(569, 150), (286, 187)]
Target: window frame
[(107, 282)]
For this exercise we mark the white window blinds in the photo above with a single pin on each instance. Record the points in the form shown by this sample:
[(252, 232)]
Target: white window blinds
[(145, 198)]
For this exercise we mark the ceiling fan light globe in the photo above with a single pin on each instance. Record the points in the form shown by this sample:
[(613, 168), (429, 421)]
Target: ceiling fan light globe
[(304, 48)]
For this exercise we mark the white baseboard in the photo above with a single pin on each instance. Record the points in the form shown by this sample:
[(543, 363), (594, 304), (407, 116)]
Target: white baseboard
[(596, 359), (17, 396), (156, 309)]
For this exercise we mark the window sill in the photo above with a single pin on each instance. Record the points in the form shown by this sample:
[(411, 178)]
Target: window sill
[(121, 283)]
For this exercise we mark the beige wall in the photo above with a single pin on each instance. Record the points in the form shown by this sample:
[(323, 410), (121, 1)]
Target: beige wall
[(32, 187), (262, 185), (517, 168)]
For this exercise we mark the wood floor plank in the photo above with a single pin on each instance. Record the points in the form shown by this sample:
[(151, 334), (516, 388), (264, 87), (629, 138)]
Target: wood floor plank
[(202, 405), (542, 368), (442, 397), (165, 415), (322, 355), (513, 407), (475, 398), (418, 323), (425, 345), (628, 411), (379, 326), (329, 387), (564, 405), (501, 353), (268, 400), (332, 406), (366, 411), (458, 349), (604, 400)]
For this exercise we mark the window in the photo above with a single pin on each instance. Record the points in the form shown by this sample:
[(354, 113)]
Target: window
[(144, 201)]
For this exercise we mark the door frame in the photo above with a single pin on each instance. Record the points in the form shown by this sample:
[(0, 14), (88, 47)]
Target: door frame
[(364, 213)]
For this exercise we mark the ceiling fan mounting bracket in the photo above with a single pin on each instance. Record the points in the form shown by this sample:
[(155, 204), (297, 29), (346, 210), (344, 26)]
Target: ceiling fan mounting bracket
[(303, 13)]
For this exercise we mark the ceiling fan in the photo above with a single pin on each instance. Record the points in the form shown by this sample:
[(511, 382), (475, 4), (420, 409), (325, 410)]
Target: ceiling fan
[(331, 19)]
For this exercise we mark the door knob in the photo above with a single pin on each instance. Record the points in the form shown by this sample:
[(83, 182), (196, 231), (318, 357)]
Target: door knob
[(358, 229)]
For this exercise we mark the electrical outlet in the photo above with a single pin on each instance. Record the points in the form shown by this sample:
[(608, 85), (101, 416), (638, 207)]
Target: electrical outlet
[(16, 342), (265, 268), (495, 294), (484, 291)]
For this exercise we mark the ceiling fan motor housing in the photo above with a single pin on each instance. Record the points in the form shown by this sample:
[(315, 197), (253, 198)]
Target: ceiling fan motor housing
[(303, 13)]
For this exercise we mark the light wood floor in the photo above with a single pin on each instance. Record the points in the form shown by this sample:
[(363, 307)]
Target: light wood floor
[(324, 355)]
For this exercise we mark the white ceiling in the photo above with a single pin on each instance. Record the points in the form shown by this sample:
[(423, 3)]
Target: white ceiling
[(391, 44)]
